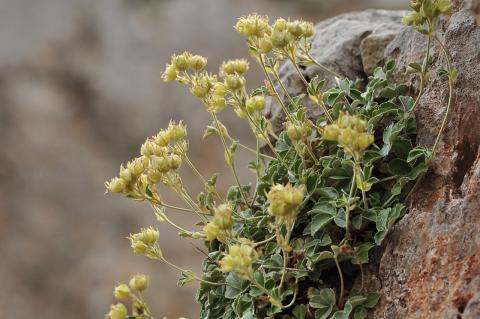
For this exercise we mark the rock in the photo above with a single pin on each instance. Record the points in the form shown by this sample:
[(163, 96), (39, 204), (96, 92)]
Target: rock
[(429, 265), (343, 44), (436, 247)]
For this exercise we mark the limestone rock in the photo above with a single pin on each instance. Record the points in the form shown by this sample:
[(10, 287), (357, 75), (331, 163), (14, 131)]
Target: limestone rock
[(343, 43), (429, 265)]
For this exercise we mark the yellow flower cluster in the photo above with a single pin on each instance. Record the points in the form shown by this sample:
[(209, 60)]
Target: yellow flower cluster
[(145, 242), (238, 66), (284, 201), (138, 283), (240, 259), (221, 224), (117, 311), (351, 133), (158, 158), (427, 10), (266, 37), (255, 104), (183, 62), (297, 131)]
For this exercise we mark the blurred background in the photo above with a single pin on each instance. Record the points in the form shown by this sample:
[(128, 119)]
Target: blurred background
[(80, 90)]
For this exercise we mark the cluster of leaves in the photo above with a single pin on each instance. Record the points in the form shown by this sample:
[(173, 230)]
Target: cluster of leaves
[(319, 239), (293, 245)]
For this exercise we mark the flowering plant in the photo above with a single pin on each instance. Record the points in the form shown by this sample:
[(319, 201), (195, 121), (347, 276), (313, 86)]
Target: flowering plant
[(327, 190)]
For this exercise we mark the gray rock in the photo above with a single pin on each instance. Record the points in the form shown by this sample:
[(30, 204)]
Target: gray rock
[(429, 265), (437, 244), (343, 44)]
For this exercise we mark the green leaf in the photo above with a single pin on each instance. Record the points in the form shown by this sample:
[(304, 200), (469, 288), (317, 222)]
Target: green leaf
[(399, 167), (188, 276), (372, 299), (324, 301), (407, 103), (235, 285), (360, 313), (360, 253), (417, 153), (389, 136), (319, 221), (343, 314), (299, 311)]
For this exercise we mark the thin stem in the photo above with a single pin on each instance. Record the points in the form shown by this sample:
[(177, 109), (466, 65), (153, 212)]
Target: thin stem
[(182, 209), (340, 274), (347, 210), (163, 259), (294, 298), (422, 77), (310, 152), (217, 124), (245, 147), (450, 95), (292, 59), (269, 79), (285, 91), (320, 101), (312, 59), (264, 241)]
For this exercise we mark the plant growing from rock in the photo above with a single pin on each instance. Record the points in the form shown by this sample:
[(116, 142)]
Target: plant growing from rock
[(327, 192)]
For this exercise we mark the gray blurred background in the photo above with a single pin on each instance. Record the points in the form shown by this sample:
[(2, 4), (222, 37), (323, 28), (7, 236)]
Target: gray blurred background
[(80, 90)]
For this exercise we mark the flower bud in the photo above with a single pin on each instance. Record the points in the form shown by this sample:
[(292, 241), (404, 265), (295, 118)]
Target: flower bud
[(331, 132), (177, 131), (284, 201), (234, 82), (280, 24), (281, 39), (150, 148), (239, 66), (223, 216), (239, 260), (121, 292), (308, 29), (294, 132), (148, 235), (295, 28), (211, 231), (219, 89), (197, 62), (199, 91), (174, 162), (181, 62), (118, 311), (137, 166), (139, 282), (154, 176), (126, 174), (170, 73), (265, 45), (162, 138), (116, 185), (255, 103)]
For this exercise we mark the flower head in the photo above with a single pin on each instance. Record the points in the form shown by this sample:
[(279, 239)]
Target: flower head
[(121, 291), (139, 282), (117, 311), (221, 223), (351, 133), (253, 25), (284, 202), (239, 260)]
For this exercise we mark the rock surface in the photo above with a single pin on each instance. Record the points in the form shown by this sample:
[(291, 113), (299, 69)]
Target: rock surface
[(429, 265), (344, 44)]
